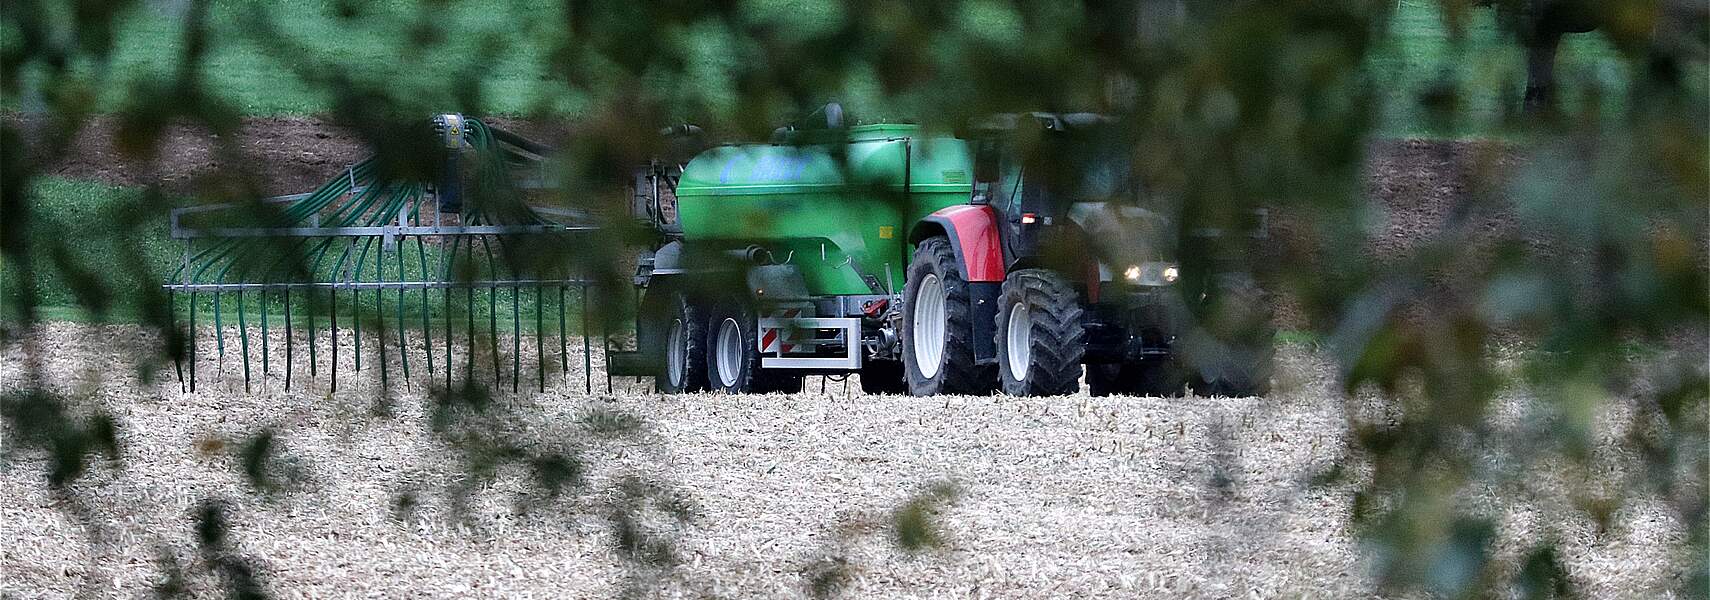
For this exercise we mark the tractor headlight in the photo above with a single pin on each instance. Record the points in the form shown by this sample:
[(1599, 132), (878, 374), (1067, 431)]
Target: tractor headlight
[(1152, 273)]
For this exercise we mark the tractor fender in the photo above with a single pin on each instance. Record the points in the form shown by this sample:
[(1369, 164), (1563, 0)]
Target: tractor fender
[(973, 233)]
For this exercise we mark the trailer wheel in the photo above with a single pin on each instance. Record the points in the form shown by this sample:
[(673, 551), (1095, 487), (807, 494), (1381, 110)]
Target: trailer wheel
[(1041, 340), (733, 356), (937, 327), (883, 377), (674, 330), (1232, 349), (1162, 377)]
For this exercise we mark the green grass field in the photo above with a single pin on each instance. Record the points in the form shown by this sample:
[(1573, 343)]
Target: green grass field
[(261, 80), (501, 48), (515, 79), (1489, 70), (64, 209)]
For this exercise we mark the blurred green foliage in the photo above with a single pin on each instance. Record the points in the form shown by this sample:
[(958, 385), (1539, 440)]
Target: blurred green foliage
[(1228, 106), (1418, 53), (504, 50), (1423, 53)]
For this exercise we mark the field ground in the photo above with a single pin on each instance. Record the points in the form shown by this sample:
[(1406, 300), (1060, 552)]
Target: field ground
[(1062, 497)]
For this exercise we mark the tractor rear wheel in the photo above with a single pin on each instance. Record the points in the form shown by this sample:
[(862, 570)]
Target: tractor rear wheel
[(1041, 340), (674, 330), (937, 326), (733, 355), (1232, 348)]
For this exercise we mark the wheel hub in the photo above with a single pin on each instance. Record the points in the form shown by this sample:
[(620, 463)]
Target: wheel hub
[(675, 349), (729, 351), (1019, 341), (928, 326)]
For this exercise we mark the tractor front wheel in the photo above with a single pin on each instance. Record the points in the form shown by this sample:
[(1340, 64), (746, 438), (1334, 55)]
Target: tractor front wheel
[(937, 326), (1041, 341)]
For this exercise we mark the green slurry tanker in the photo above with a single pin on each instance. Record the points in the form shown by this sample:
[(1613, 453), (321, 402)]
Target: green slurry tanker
[(1007, 257)]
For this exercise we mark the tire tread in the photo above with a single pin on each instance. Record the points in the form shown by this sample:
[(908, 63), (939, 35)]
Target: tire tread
[(961, 375), (1058, 339)]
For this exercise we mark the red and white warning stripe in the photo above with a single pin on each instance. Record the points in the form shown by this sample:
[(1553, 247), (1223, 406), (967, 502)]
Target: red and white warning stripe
[(769, 338)]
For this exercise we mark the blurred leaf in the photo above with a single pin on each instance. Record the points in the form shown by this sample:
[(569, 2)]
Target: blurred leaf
[(912, 523)]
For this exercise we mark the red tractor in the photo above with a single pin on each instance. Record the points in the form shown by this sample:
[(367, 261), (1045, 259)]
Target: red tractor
[(1061, 259)]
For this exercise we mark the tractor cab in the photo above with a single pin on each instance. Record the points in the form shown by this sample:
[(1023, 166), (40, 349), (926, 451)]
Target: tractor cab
[(1066, 195)]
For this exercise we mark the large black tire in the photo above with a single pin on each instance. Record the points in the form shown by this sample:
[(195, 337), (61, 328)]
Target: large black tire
[(1044, 359), (1232, 346), (680, 363), (883, 377), (1161, 377), (741, 373), (955, 371)]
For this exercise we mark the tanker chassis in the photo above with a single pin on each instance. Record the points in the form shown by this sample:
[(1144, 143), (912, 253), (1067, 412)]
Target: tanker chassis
[(932, 264)]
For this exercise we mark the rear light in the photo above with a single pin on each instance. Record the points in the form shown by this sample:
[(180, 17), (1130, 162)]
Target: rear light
[(1029, 218)]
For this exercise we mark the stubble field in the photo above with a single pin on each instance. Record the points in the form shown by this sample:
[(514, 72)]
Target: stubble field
[(721, 496)]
